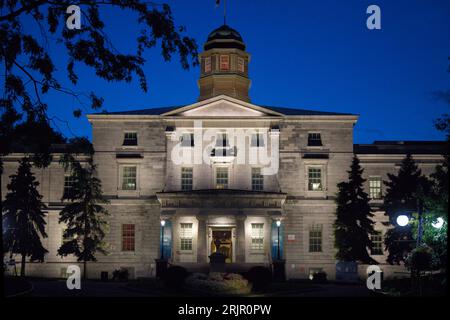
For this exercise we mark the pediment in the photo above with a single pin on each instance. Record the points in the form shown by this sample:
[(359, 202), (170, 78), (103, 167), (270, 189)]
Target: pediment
[(222, 106)]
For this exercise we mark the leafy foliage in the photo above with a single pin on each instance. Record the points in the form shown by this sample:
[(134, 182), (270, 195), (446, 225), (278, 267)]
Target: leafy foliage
[(353, 225), (23, 216), (30, 70), (402, 194)]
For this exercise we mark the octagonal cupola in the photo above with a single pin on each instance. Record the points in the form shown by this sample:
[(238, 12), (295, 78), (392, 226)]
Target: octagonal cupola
[(224, 65)]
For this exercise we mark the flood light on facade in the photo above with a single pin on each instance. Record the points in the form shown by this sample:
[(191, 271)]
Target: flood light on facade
[(438, 223), (402, 220)]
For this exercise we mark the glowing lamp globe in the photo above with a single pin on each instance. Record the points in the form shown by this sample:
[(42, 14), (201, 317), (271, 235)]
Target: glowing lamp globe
[(438, 223), (402, 220), (278, 223), (163, 223)]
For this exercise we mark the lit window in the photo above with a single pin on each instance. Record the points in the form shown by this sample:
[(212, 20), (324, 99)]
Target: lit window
[(257, 180), (222, 140), (314, 140), (240, 65), (257, 236), (224, 62), (128, 234), (314, 179), (186, 179), (69, 182), (207, 64), (186, 236), (130, 139), (222, 178), (315, 238), (257, 140), (187, 140), (375, 187), (377, 240), (129, 178)]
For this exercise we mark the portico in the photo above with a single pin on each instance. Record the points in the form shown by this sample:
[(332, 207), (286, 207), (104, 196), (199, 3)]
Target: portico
[(242, 221)]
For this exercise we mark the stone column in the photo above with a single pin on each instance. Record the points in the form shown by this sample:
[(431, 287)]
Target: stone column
[(201, 240), (240, 238)]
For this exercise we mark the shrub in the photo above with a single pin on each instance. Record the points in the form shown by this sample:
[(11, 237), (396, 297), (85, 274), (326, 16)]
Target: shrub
[(174, 277), (420, 259), (121, 274), (216, 282), (260, 277), (320, 277)]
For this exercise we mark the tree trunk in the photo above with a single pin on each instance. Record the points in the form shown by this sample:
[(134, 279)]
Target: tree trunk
[(22, 266)]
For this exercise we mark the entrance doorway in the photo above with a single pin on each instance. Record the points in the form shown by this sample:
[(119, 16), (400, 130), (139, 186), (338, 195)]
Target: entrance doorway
[(222, 241)]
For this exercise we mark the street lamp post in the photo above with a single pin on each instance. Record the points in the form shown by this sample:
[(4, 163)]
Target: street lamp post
[(163, 223), (278, 243)]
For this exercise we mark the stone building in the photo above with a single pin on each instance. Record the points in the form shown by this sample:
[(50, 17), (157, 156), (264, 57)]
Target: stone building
[(223, 168)]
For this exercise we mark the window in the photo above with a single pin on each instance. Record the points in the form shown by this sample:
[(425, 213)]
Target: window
[(257, 236), (314, 179), (128, 233), (69, 182), (257, 180), (65, 240), (257, 140), (314, 140), (207, 64), (240, 65), (224, 62), (186, 236), (222, 140), (186, 179), (187, 140), (375, 187), (377, 240), (129, 178), (315, 238), (130, 139), (222, 178)]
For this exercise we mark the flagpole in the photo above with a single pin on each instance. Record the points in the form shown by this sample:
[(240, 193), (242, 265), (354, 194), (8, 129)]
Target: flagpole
[(224, 12)]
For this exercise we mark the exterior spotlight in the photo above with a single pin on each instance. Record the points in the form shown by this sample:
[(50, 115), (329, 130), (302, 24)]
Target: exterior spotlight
[(402, 220), (163, 223), (278, 223), (438, 223)]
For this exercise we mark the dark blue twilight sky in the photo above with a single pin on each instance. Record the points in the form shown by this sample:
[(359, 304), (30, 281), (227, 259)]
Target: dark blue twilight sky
[(305, 54)]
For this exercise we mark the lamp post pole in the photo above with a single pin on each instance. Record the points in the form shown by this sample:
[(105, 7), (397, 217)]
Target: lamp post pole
[(420, 222), (278, 243), (162, 239)]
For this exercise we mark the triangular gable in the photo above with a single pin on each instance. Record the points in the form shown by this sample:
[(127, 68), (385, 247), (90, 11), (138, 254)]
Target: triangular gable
[(222, 106)]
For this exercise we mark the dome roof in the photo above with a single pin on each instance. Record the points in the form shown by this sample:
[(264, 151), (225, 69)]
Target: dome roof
[(224, 37)]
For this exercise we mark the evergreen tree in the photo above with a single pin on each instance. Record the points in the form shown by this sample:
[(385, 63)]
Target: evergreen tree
[(402, 196), (353, 225), (84, 214), (23, 216)]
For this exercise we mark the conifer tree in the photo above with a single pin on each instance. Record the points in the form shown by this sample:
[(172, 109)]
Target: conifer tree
[(402, 195), (24, 216), (84, 215), (353, 225)]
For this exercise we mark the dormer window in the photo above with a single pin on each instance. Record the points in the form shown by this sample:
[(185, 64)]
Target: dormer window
[(225, 62), (207, 64), (240, 65), (187, 140), (257, 140), (130, 139), (314, 140)]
